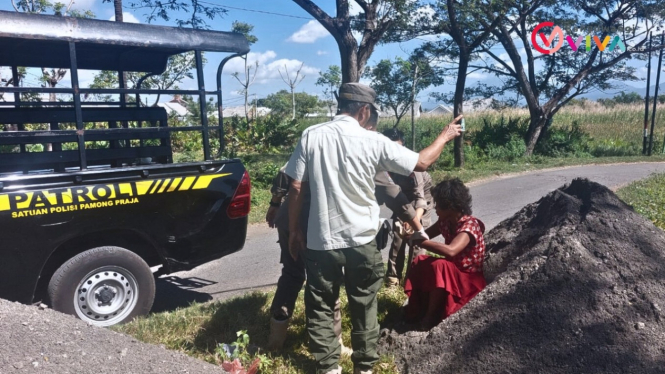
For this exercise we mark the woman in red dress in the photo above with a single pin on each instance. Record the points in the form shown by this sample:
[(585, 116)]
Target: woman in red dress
[(438, 287)]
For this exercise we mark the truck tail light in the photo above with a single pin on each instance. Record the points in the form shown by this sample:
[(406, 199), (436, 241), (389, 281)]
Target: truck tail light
[(241, 201)]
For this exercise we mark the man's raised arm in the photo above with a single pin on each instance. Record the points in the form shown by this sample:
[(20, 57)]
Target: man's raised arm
[(429, 155)]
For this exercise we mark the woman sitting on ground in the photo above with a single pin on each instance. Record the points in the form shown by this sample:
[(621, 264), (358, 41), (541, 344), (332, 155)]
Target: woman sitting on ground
[(438, 287)]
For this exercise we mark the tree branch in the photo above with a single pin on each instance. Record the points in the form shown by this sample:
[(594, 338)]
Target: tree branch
[(363, 4), (324, 19), (496, 71), (505, 65)]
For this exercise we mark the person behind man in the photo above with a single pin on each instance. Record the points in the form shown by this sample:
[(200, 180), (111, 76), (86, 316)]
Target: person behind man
[(338, 162), (293, 271), (417, 188)]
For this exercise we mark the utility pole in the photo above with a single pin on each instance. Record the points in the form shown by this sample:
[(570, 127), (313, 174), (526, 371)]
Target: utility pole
[(655, 101), (646, 102)]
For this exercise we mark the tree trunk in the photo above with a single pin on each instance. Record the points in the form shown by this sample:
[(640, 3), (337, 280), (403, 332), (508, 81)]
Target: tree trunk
[(458, 107), (536, 127), (247, 84), (349, 55), (293, 101), (117, 5)]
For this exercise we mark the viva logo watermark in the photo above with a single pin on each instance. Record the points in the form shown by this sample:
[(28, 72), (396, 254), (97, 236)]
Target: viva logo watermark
[(575, 44)]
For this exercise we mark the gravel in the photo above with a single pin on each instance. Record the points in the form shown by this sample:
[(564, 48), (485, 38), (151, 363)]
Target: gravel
[(577, 286), (38, 340)]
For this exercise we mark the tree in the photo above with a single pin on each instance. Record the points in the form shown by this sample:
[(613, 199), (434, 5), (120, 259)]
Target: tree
[(248, 78), (197, 10), (280, 103), (566, 74), (178, 68), (330, 80), (464, 34), (378, 17), (292, 83), (628, 98), (397, 83)]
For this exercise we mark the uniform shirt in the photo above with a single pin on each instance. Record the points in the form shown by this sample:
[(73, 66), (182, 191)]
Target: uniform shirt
[(424, 188), (340, 160)]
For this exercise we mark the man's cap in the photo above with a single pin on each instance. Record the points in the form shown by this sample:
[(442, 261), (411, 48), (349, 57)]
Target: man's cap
[(358, 92)]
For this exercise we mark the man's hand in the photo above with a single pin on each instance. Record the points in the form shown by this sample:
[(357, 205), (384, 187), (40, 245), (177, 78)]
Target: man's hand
[(297, 243), (270, 216), (453, 130), (429, 155)]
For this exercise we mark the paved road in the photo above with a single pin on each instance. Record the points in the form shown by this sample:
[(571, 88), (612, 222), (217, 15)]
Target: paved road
[(257, 265)]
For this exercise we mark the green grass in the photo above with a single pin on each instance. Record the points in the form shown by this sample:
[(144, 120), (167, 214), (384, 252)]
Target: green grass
[(197, 330), (647, 197)]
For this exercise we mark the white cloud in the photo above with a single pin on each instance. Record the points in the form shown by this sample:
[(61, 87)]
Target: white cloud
[(321, 53), (309, 33), (269, 66), (126, 17), (476, 75), (84, 4)]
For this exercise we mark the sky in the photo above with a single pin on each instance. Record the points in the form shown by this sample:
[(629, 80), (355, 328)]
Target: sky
[(287, 37)]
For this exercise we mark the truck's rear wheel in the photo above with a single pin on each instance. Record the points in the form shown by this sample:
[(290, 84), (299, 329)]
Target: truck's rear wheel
[(103, 286)]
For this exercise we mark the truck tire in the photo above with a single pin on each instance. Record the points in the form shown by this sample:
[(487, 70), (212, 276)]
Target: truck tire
[(103, 286)]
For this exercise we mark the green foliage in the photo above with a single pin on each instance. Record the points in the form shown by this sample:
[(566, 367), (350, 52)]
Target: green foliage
[(330, 80), (262, 173), (565, 142), (499, 134), (647, 198), (622, 98), (179, 67), (280, 103), (246, 30), (397, 83), (615, 148), (196, 11), (239, 351), (44, 6)]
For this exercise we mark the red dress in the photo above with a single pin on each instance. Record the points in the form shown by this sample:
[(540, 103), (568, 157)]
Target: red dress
[(461, 276)]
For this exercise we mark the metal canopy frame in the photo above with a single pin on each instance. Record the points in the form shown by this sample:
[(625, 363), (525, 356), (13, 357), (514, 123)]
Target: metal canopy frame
[(86, 39)]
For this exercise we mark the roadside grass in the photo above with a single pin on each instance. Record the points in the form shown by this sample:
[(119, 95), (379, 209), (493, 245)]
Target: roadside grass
[(647, 197), (198, 330)]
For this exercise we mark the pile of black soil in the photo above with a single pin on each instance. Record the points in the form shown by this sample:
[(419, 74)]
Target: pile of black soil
[(577, 286)]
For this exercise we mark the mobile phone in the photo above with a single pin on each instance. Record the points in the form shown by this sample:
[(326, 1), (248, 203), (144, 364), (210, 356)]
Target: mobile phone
[(463, 125)]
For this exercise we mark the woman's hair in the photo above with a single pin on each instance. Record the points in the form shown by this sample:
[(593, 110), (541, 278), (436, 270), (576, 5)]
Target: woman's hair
[(394, 134), (451, 193)]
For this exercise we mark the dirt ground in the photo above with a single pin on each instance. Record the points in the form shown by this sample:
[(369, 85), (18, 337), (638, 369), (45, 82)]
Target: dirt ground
[(577, 286), (44, 341)]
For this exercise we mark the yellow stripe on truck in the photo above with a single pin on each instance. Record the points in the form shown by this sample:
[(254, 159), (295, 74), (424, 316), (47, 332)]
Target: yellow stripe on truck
[(89, 196)]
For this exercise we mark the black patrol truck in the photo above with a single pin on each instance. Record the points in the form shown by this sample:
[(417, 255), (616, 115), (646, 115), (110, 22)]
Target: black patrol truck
[(90, 199)]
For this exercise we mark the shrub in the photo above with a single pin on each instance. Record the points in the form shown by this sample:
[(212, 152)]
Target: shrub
[(499, 134), (565, 141)]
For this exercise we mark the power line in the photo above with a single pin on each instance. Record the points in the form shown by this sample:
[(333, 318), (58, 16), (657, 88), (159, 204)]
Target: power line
[(256, 11)]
